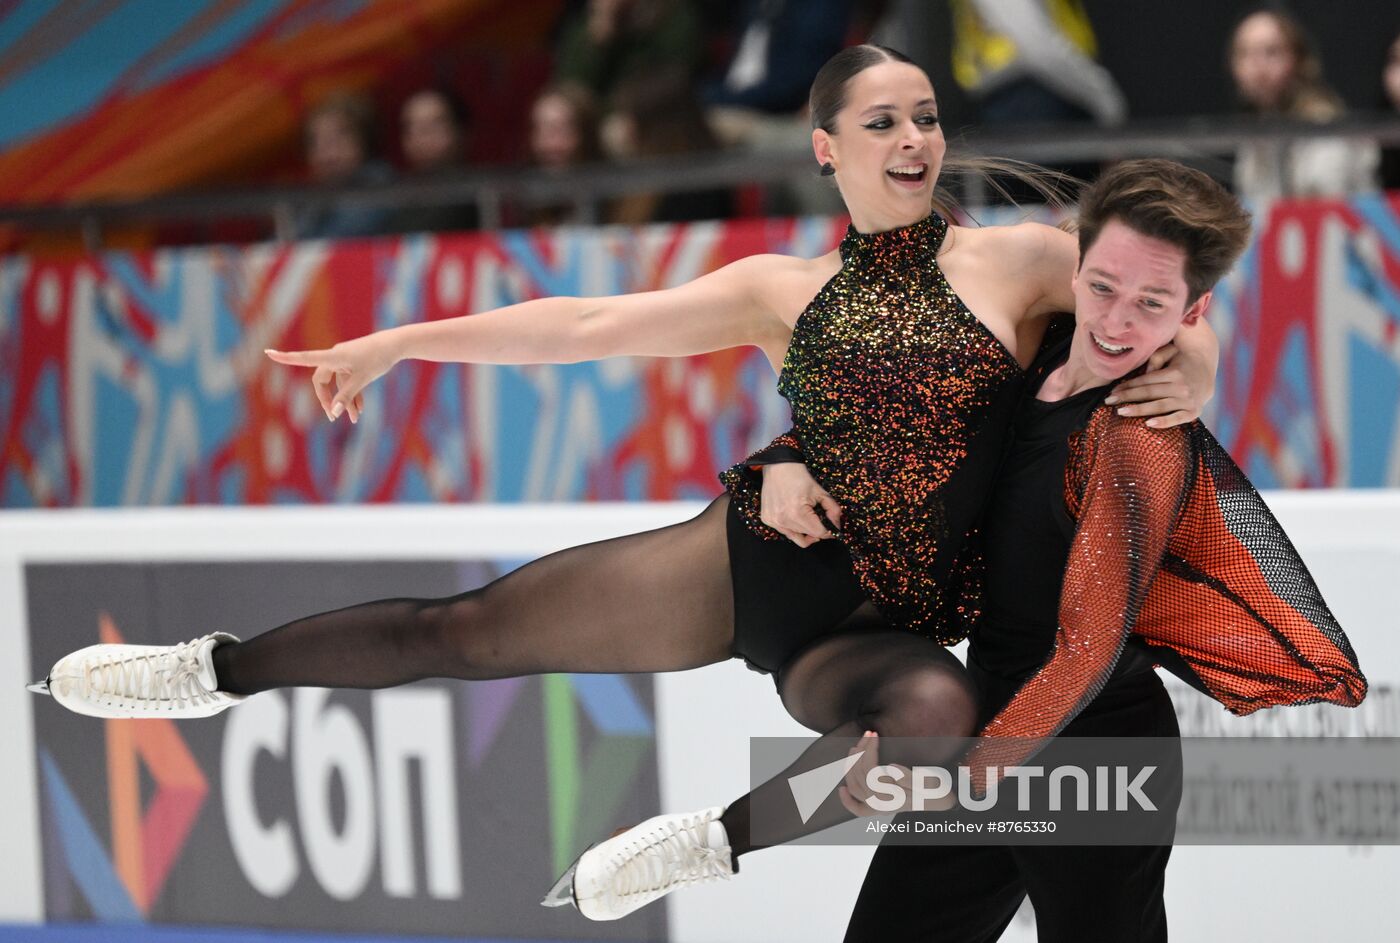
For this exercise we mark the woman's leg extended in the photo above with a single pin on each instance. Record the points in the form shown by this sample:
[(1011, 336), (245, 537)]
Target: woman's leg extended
[(655, 601), (895, 683)]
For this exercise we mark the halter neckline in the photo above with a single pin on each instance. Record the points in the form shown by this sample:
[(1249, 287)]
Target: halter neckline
[(925, 235)]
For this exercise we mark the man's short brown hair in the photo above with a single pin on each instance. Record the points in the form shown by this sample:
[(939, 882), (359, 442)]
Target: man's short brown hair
[(1171, 202)]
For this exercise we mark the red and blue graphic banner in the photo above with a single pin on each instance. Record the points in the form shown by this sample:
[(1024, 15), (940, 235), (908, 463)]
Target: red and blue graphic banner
[(138, 378)]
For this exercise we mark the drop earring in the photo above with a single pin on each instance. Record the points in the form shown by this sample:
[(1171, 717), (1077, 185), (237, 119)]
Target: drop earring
[(828, 170)]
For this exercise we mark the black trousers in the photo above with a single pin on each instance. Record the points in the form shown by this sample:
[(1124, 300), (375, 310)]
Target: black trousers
[(970, 893)]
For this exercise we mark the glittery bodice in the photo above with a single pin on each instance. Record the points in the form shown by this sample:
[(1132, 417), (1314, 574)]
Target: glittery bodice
[(900, 399)]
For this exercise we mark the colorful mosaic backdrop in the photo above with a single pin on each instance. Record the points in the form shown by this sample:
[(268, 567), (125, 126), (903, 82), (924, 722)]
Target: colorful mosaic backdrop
[(127, 98), (137, 378), (1310, 346)]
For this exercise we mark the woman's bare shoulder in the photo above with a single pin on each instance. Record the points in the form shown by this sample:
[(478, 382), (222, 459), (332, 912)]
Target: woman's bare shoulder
[(1038, 260), (786, 283), (762, 268), (792, 266), (1018, 244)]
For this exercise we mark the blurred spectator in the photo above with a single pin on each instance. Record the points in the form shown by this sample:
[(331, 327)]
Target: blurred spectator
[(757, 101), (1277, 71), (1278, 74), (610, 42), (433, 124), (339, 138), (782, 44), (1029, 61), (564, 128), (661, 117), (1390, 80), (1032, 62), (563, 134)]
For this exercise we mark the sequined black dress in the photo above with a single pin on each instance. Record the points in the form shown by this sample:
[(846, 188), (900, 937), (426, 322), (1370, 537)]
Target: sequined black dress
[(900, 401)]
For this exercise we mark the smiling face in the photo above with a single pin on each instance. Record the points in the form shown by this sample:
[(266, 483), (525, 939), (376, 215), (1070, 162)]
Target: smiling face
[(1262, 61), (1130, 298), (888, 146)]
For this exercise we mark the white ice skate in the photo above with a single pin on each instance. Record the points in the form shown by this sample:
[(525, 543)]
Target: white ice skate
[(172, 681), (645, 863)]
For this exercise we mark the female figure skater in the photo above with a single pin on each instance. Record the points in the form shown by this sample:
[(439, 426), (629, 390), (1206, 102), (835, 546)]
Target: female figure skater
[(1109, 548), (900, 396)]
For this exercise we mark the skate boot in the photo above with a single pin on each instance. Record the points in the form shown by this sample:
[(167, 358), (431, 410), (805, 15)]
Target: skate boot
[(173, 681), (645, 863)]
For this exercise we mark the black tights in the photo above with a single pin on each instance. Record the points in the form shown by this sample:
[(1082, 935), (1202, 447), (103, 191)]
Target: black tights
[(655, 601), (895, 683)]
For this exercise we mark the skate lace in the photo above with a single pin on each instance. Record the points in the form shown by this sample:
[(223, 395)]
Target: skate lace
[(170, 677), (670, 856)]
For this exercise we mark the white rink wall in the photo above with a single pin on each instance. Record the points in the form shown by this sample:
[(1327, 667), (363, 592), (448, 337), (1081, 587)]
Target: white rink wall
[(1350, 540)]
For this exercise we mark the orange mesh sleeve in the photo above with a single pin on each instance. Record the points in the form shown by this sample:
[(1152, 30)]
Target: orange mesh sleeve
[(1125, 484), (1236, 605)]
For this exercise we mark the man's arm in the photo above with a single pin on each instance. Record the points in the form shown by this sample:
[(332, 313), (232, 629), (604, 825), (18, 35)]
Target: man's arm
[(1131, 483)]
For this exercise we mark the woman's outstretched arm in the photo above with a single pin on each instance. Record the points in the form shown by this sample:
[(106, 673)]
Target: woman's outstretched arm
[(729, 307)]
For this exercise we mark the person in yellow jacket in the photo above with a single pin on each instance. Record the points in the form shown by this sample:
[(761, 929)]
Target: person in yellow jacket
[(1032, 61)]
